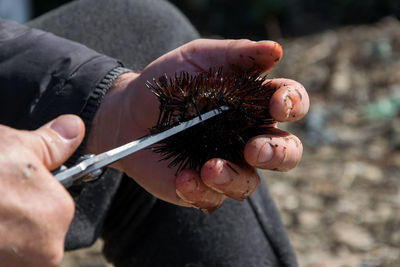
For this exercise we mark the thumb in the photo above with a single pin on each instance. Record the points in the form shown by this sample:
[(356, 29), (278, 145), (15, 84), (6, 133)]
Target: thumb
[(57, 140)]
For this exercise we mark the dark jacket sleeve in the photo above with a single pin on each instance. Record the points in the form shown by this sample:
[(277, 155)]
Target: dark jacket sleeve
[(43, 76)]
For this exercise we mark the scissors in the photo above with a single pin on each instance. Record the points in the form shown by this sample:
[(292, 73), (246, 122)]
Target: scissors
[(91, 166)]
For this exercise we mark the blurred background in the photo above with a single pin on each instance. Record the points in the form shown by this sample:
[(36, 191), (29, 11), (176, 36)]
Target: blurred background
[(341, 205)]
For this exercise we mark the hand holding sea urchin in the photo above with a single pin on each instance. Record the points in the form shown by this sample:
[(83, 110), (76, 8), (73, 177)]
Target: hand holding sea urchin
[(185, 96)]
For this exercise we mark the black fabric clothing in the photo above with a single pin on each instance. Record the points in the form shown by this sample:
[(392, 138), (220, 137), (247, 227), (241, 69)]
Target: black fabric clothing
[(136, 31), (239, 234), (43, 76)]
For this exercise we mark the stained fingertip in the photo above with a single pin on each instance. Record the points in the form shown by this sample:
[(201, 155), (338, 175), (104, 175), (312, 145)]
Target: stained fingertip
[(245, 54), (274, 48), (185, 181), (284, 106), (290, 102), (214, 173), (191, 189), (258, 151), (286, 152), (186, 185), (291, 162), (294, 151), (268, 54), (229, 179)]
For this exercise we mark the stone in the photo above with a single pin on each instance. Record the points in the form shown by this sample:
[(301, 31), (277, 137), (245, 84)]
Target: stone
[(309, 219), (353, 236)]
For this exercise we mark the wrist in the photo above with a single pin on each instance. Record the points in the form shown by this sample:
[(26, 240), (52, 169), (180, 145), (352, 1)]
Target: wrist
[(92, 105), (106, 124)]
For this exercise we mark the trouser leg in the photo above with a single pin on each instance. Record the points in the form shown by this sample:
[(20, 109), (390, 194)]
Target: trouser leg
[(134, 31), (248, 233)]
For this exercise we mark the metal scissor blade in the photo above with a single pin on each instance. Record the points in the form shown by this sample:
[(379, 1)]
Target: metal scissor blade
[(69, 176)]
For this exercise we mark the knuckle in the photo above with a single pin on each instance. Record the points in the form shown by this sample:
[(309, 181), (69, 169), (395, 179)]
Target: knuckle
[(192, 45), (48, 252), (54, 254), (67, 207), (44, 148), (239, 42), (196, 41), (10, 138), (62, 208)]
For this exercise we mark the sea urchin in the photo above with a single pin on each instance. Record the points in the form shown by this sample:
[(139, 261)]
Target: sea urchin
[(186, 96)]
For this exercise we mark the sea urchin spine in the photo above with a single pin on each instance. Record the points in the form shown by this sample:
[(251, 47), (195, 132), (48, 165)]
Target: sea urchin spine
[(186, 96)]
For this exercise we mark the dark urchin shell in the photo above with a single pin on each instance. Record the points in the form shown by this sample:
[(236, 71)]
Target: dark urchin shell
[(186, 96)]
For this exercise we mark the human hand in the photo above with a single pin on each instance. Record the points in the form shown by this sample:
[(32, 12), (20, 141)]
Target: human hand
[(130, 109), (35, 209)]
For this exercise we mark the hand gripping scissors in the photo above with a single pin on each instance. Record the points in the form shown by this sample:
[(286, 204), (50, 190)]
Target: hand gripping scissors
[(91, 166)]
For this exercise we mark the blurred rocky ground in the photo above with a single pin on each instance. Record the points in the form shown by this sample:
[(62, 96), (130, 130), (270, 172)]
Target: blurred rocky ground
[(341, 205)]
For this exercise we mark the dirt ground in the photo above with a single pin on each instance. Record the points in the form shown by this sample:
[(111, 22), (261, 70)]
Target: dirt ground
[(341, 205)]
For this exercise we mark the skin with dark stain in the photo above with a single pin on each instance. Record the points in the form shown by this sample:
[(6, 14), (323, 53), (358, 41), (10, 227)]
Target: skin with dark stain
[(27, 172), (31, 166)]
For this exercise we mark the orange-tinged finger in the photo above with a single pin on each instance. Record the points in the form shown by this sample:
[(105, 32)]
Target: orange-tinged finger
[(191, 189), (230, 179), (232, 54), (274, 153), (290, 102), (202, 54)]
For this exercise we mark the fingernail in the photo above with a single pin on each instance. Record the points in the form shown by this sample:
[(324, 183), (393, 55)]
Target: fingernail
[(270, 43), (288, 104), (266, 153), (223, 174), (67, 126)]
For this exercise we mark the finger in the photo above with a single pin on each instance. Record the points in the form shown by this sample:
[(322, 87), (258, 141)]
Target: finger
[(232, 54), (273, 152), (290, 102), (191, 189), (55, 142), (230, 179), (202, 54)]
